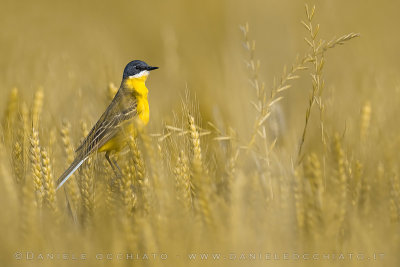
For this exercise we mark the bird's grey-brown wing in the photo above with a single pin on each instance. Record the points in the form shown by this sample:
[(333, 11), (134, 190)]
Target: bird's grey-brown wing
[(122, 108)]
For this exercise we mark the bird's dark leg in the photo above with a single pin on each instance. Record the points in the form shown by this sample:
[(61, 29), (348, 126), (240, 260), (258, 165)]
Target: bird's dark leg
[(114, 166)]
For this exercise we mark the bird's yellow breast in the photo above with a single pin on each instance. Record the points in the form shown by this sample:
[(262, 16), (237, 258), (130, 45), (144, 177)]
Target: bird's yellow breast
[(140, 91)]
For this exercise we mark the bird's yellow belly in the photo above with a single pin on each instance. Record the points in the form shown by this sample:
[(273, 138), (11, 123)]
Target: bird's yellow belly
[(129, 128), (143, 110), (119, 141), (113, 144)]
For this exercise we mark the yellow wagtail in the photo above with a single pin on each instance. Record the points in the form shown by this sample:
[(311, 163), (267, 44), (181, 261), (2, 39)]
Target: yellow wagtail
[(114, 127)]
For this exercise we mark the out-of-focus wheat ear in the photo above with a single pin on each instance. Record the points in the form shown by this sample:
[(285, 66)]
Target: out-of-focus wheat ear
[(10, 115), (84, 128), (129, 228), (20, 144), (8, 187), (49, 192), (365, 196), (25, 135), (314, 198), (234, 155), (394, 210), (29, 213), (37, 107), (126, 188), (394, 200), (36, 163), (238, 204), (299, 199), (111, 91), (18, 161), (111, 188), (357, 181), (365, 121), (86, 185), (110, 197), (200, 180), (87, 195), (313, 172), (161, 169), (197, 163), (153, 168), (340, 161), (71, 184), (184, 186), (52, 140), (140, 175), (66, 138)]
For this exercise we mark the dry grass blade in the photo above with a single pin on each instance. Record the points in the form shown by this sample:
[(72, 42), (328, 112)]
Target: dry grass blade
[(297, 160), (340, 41)]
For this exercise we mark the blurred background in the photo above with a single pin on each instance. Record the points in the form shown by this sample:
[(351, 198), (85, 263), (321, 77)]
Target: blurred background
[(74, 49)]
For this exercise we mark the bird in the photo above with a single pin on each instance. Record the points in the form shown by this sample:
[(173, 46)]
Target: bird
[(128, 111)]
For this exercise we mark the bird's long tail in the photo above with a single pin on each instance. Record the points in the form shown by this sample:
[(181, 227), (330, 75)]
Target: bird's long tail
[(68, 172)]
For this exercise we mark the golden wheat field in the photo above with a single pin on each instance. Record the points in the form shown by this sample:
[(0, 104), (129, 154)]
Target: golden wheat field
[(273, 139)]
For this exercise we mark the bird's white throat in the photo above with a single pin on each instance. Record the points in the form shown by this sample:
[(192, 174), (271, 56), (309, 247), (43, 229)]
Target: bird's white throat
[(140, 74)]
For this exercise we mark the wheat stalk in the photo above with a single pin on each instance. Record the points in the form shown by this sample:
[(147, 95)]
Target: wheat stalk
[(365, 121), (140, 175), (49, 192), (184, 186), (37, 107), (86, 184), (199, 177), (340, 161), (36, 163), (316, 57), (20, 149), (264, 103), (71, 184), (10, 114)]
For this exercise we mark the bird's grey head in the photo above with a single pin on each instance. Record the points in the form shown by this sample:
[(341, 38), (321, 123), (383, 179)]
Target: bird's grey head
[(137, 68)]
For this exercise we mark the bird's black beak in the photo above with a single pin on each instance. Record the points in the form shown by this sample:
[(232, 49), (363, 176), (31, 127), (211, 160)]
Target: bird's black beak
[(149, 68)]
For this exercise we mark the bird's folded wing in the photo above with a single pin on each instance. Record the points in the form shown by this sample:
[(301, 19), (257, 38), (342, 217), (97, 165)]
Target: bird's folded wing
[(122, 108)]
